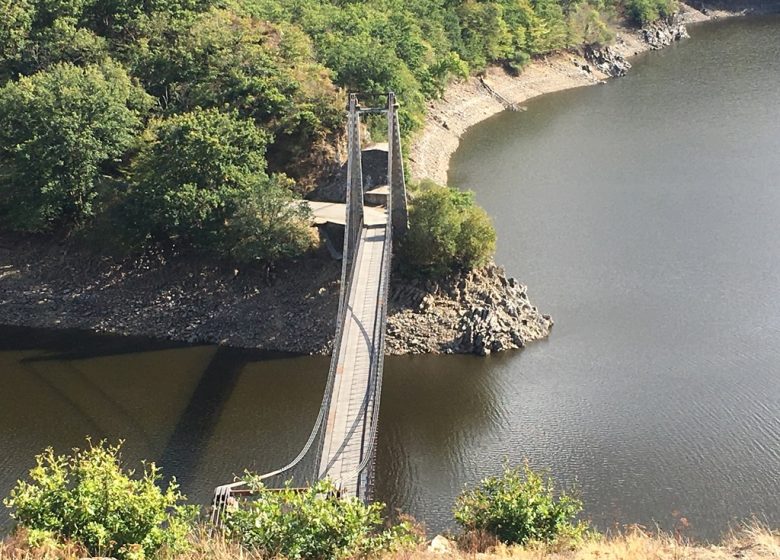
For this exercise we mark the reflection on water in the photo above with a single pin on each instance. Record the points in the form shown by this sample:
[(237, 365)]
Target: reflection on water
[(642, 213), (436, 414)]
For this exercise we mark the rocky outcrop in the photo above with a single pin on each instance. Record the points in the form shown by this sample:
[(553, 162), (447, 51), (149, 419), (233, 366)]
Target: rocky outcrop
[(442, 545), (608, 60), (478, 312), (611, 60), (664, 32)]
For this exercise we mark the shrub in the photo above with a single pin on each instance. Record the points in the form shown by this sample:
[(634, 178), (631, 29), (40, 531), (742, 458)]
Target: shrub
[(311, 524), (61, 131), (448, 232), (200, 178), (518, 507), (87, 497)]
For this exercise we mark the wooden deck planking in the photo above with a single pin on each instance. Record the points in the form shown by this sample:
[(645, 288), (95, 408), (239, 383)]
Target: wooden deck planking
[(347, 417)]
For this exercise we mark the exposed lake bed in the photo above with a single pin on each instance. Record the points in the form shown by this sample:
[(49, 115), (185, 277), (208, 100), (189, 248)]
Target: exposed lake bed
[(643, 213)]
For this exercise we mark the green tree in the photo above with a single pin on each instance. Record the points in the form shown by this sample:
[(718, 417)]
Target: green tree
[(484, 32), (201, 179), (87, 497), (587, 26), (551, 33), (63, 133), (448, 232), (16, 19), (643, 12), (518, 507), (124, 19), (265, 72), (62, 41)]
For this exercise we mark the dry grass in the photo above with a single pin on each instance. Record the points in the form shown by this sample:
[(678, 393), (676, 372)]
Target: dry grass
[(753, 542)]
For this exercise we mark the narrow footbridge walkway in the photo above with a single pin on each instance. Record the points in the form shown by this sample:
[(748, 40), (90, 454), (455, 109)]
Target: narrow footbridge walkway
[(341, 443), (350, 429)]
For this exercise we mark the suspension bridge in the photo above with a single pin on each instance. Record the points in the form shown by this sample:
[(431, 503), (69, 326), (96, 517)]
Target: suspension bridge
[(342, 441)]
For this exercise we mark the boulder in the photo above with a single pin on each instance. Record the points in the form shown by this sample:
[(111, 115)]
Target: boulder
[(441, 545)]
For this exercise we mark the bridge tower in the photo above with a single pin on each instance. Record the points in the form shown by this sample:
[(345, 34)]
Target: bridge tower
[(395, 171), (354, 194)]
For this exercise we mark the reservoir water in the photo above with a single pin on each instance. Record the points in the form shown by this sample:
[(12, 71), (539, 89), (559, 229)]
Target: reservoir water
[(644, 214)]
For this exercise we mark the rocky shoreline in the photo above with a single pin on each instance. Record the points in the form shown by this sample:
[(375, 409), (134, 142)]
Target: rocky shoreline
[(54, 284), (49, 284)]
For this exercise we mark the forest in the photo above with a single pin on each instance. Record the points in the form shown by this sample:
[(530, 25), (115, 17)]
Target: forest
[(196, 122)]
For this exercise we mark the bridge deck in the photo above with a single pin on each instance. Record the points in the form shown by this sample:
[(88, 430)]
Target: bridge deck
[(350, 408), (335, 213)]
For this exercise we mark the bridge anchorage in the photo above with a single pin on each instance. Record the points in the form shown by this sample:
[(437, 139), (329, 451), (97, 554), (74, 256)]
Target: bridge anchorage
[(342, 441)]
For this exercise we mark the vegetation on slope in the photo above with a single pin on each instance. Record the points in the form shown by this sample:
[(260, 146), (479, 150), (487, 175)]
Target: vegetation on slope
[(93, 92), (518, 507), (88, 504)]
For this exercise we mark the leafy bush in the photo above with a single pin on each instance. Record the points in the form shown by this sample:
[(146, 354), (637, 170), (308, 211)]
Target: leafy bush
[(88, 498), (61, 131), (448, 232), (518, 507), (200, 178), (643, 12), (312, 524)]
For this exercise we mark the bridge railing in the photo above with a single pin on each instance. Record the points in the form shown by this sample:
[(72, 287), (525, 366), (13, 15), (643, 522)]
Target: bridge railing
[(366, 466)]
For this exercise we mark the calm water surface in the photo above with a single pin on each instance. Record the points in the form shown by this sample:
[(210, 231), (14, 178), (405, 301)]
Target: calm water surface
[(644, 216)]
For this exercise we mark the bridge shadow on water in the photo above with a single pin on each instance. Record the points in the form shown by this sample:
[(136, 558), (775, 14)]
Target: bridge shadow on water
[(197, 422), (179, 447), (185, 449)]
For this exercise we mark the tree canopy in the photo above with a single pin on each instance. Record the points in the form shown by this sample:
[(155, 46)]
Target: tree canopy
[(92, 90), (63, 132)]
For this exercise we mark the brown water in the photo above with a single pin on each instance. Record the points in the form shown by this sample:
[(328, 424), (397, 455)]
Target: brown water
[(644, 216)]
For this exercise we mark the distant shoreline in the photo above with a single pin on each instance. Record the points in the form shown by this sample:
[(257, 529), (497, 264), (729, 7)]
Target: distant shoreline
[(467, 103)]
